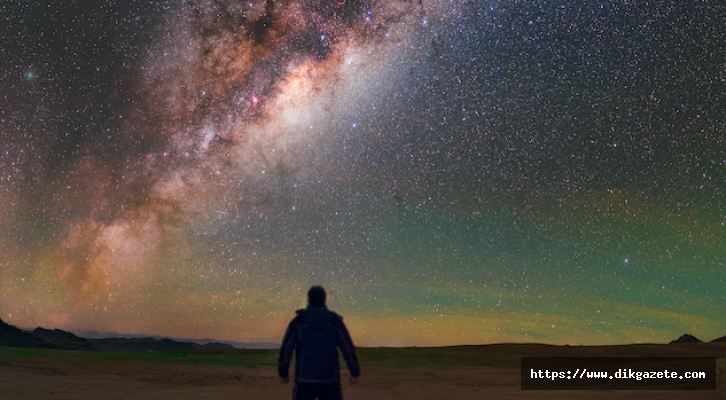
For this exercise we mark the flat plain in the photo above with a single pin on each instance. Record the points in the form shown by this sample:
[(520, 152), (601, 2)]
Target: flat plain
[(459, 372)]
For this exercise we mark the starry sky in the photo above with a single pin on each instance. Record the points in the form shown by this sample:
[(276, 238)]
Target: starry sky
[(452, 172)]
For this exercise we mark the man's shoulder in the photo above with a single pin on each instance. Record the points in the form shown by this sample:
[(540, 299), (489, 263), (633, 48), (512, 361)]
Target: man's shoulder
[(337, 319), (302, 314), (298, 317)]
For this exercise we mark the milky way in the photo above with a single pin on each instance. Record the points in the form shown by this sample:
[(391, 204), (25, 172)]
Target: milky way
[(452, 172)]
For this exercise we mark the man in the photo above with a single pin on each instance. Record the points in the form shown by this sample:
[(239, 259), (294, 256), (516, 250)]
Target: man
[(315, 334)]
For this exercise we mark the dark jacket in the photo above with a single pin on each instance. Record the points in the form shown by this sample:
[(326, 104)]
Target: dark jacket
[(314, 334)]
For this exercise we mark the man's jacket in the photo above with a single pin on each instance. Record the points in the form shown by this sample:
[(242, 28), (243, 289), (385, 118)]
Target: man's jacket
[(314, 334)]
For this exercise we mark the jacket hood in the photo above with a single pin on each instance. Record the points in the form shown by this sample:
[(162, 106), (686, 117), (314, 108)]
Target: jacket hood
[(317, 317)]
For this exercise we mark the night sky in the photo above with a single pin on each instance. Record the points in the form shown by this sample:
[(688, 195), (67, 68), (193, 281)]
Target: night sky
[(452, 172)]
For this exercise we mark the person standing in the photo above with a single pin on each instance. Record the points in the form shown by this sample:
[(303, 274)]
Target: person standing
[(315, 335)]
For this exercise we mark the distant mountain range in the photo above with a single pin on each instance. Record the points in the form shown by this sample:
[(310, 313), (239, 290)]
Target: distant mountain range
[(239, 345), (12, 336), (63, 340)]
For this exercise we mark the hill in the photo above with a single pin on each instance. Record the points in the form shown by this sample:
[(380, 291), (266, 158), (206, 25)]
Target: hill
[(15, 337), (63, 340), (686, 339)]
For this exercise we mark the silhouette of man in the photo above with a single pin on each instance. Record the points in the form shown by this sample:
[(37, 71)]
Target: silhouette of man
[(315, 334)]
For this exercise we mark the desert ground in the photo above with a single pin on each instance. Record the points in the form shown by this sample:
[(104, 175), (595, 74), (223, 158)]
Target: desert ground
[(460, 372)]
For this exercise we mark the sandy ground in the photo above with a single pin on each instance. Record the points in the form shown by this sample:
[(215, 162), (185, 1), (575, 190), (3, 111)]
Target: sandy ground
[(58, 378)]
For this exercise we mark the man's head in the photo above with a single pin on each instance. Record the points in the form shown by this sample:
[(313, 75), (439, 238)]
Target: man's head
[(316, 296)]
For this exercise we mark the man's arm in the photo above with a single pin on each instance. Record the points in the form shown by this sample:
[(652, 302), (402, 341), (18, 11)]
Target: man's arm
[(289, 341), (345, 343)]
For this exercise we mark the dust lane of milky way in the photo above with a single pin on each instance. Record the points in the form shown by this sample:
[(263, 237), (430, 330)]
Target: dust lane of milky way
[(453, 172)]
